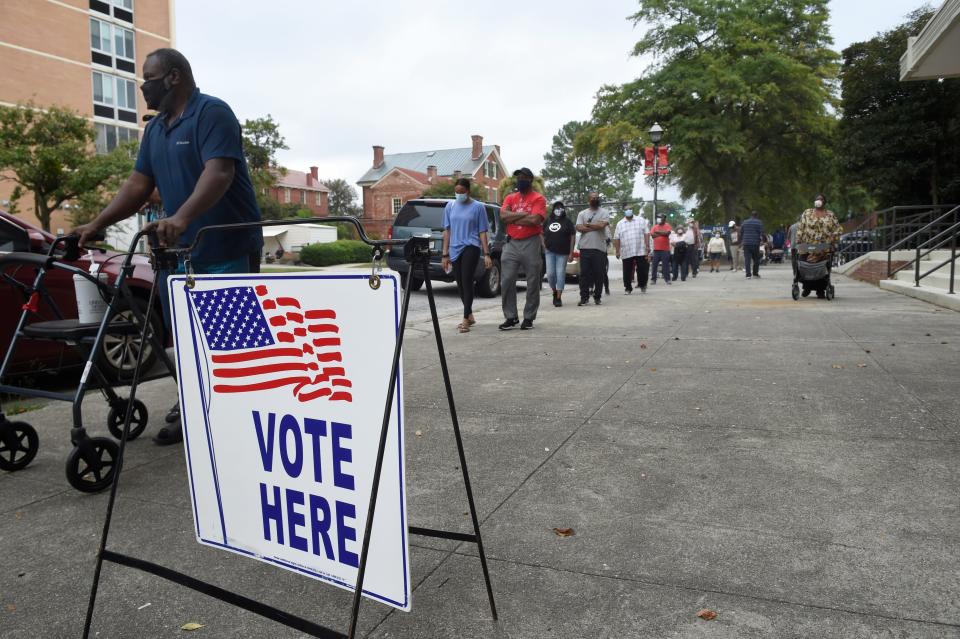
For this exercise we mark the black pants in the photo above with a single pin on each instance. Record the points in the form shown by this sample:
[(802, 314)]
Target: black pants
[(693, 258), (591, 273), (680, 264), (638, 265), (751, 254), (463, 269)]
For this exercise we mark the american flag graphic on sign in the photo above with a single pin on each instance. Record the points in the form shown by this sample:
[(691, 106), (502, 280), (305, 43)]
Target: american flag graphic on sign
[(260, 342)]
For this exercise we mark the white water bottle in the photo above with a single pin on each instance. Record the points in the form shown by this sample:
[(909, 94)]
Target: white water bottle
[(90, 304)]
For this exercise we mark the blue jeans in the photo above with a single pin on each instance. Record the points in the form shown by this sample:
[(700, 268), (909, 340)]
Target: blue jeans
[(238, 265), (556, 269), (660, 257)]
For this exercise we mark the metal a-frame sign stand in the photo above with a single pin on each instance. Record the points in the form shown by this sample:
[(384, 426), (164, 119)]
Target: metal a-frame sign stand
[(417, 253)]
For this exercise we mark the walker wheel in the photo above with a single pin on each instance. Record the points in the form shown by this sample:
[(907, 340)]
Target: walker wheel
[(830, 292), (795, 292), (18, 445), (118, 413), (94, 471)]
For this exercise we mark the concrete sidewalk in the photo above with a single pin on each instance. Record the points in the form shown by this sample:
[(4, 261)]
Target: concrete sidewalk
[(713, 444)]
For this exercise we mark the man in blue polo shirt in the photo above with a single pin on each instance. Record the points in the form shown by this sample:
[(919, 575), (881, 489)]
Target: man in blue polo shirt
[(192, 151)]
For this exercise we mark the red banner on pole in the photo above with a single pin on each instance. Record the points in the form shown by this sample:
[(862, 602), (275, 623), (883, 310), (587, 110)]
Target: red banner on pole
[(648, 161), (663, 161)]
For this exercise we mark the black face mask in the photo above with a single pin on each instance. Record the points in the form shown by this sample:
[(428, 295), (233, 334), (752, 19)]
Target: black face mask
[(594, 204), (523, 184), (154, 92)]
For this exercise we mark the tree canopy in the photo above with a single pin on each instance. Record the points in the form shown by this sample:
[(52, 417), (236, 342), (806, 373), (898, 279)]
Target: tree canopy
[(444, 188), (51, 154), (343, 198), (742, 89), (261, 141), (571, 175), (900, 140)]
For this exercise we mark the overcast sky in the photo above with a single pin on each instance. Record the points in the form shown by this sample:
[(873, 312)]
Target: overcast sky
[(415, 75)]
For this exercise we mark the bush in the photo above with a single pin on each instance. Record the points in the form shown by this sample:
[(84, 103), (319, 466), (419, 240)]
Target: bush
[(345, 231), (339, 252)]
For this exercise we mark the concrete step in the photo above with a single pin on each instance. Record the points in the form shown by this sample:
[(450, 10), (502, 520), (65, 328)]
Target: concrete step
[(939, 279), (929, 294)]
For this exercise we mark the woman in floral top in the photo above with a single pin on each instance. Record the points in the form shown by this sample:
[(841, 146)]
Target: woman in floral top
[(818, 226)]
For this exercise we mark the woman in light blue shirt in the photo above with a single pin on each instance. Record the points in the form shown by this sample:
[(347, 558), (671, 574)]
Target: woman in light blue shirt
[(464, 238)]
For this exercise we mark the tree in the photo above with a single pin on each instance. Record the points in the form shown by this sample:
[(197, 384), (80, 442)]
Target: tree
[(571, 175), (343, 198), (509, 185), (261, 141), (742, 90), (51, 153), (444, 188), (901, 140)]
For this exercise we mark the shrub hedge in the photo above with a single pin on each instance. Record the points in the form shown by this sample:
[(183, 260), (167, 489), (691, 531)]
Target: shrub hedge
[(339, 252)]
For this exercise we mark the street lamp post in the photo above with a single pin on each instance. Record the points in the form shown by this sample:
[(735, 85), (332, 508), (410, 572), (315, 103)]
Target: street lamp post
[(656, 134)]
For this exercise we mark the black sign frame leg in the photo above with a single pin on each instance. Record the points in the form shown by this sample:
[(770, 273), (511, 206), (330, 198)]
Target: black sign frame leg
[(418, 256), (417, 251)]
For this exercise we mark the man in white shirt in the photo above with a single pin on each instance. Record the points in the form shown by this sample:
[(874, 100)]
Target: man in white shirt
[(631, 240), (692, 258)]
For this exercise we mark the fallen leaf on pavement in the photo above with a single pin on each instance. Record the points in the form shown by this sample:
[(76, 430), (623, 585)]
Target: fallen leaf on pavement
[(191, 626), (861, 365), (643, 347), (707, 614), (11, 608), (419, 433), (563, 532), (837, 366), (653, 370)]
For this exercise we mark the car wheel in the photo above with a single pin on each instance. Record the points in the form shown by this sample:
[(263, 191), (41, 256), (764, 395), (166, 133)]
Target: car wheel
[(118, 353), (415, 282), (489, 284)]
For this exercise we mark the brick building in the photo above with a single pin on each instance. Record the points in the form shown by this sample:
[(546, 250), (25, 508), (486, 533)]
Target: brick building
[(303, 189), (84, 55), (394, 179)]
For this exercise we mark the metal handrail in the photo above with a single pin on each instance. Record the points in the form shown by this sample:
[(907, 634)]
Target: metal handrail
[(953, 231), (893, 271), (886, 225), (952, 211)]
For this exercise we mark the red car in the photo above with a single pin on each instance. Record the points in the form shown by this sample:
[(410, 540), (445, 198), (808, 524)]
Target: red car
[(117, 358)]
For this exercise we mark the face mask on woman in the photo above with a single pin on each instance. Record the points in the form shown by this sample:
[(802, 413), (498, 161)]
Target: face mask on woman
[(559, 212), (461, 197), (818, 204)]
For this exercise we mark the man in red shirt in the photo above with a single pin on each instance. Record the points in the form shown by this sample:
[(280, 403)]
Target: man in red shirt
[(523, 212), (661, 249)]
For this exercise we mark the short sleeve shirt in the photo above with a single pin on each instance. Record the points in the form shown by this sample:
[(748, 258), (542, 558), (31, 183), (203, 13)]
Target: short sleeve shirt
[(465, 222), (596, 240), (531, 203), (174, 157), (661, 243), (631, 233), (557, 232)]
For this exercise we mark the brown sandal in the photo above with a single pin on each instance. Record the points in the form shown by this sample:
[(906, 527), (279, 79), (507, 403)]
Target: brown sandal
[(470, 322), (463, 327)]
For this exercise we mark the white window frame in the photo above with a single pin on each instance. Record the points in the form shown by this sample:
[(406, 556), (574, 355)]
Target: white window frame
[(496, 195), (319, 198), (131, 133), (112, 32), (105, 80), (115, 83), (396, 204), (303, 197), (120, 4), (286, 195), (493, 170)]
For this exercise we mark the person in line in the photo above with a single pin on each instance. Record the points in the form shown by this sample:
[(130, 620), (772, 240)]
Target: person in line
[(592, 222), (715, 249), (192, 151), (606, 261), (660, 234), (631, 241), (736, 245), (751, 235), (690, 238), (697, 254), (465, 229), (523, 211), (559, 237), (817, 226), (680, 248)]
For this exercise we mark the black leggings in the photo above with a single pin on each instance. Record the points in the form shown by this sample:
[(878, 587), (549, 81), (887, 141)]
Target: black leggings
[(463, 269)]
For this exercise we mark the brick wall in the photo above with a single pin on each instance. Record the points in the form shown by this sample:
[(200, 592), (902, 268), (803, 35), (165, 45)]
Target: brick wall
[(378, 200), (320, 209)]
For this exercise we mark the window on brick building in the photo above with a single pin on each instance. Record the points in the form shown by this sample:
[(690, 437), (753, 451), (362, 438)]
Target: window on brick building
[(112, 46), (286, 196), (489, 194), (109, 136), (397, 205), (496, 196), (110, 91), (319, 198), (303, 197)]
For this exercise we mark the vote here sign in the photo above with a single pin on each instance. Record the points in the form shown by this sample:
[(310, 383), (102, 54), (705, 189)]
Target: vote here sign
[(283, 380)]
